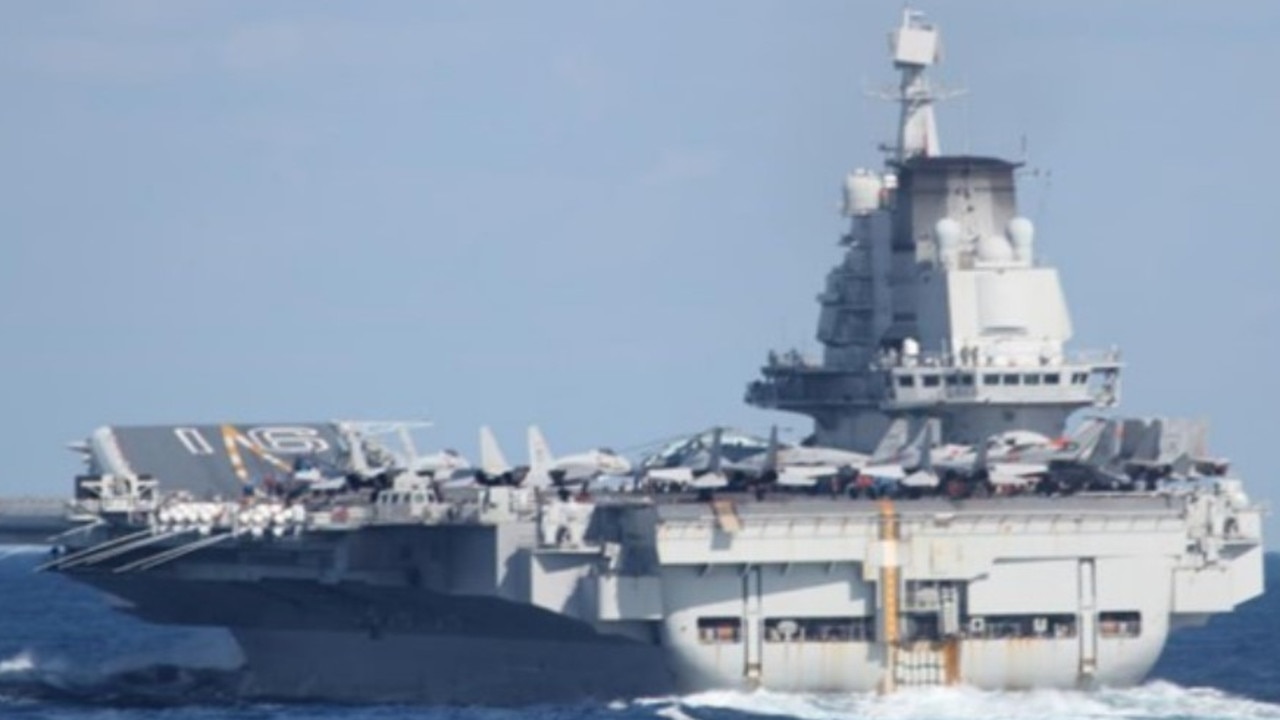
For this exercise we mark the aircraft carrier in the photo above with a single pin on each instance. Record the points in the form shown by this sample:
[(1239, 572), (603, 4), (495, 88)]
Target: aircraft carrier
[(945, 524)]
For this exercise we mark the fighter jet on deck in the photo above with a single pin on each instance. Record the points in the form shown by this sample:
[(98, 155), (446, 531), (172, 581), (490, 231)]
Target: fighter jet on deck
[(494, 468), (708, 466), (800, 466), (545, 469)]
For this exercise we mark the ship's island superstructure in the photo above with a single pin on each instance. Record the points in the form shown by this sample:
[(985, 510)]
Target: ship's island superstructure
[(940, 307), (347, 570)]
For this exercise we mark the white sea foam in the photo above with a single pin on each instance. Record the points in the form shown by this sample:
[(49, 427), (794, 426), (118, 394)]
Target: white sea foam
[(673, 712), (197, 648), (1153, 701), (8, 551), (20, 664)]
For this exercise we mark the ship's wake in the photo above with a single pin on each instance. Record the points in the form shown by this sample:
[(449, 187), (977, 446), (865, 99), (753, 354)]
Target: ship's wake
[(26, 678), (88, 656), (150, 682), (1153, 701), (22, 551)]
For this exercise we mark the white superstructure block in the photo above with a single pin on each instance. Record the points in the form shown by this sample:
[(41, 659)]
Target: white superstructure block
[(914, 43), (1012, 314), (862, 191)]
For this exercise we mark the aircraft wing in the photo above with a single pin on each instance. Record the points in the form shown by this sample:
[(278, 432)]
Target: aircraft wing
[(681, 475), (884, 471), (957, 459), (710, 481), (1014, 473), (337, 483), (805, 475), (921, 478)]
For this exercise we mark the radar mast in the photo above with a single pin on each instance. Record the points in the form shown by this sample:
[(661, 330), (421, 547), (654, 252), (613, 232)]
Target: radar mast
[(939, 309), (916, 46)]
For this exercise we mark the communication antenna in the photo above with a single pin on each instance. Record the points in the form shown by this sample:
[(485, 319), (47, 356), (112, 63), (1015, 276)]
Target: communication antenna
[(1046, 187), (1043, 174), (915, 46)]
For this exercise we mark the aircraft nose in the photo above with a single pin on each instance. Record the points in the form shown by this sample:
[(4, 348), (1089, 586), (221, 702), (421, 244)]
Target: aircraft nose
[(621, 466)]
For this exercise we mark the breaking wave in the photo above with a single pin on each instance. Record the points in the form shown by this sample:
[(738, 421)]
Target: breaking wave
[(1153, 701), (8, 551), (140, 682), (24, 678), (19, 664)]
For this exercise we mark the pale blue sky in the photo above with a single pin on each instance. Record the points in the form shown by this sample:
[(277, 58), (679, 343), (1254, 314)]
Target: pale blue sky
[(594, 215)]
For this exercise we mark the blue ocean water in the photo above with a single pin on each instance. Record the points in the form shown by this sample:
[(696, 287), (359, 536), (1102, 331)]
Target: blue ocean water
[(66, 655)]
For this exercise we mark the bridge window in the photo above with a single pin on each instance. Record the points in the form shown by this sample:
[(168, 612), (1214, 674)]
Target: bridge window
[(1052, 379), (1079, 378), (1012, 379), (824, 629), (952, 380), (906, 381), (930, 380), (717, 630), (1031, 379), (1120, 624), (990, 379), (998, 627), (966, 379)]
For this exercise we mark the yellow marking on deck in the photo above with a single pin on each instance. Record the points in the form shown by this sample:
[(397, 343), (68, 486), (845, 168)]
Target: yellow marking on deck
[(726, 515), (233, 453), (889, 569), (951, 661), (233, 440), (889, 533)]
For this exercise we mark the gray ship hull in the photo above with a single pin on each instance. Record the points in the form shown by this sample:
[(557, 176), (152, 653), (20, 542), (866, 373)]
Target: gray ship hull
[(351, 642), (945, 530), (446, 668), (785, 595), (325, 650)]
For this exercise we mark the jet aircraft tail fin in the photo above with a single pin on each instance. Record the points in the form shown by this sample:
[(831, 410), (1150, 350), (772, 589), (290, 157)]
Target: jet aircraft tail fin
[(717, 450), (1107, 445), (1180, 438), (982, 457), (540, 457), (407, 444), (492, 461), (919, 452), (1140, 440), (1079, 445), (771, 455), (929, 438), (891, 443)]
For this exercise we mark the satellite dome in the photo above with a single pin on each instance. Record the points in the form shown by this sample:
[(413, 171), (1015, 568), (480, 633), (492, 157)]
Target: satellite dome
[(1022, 234), (947, 232)]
